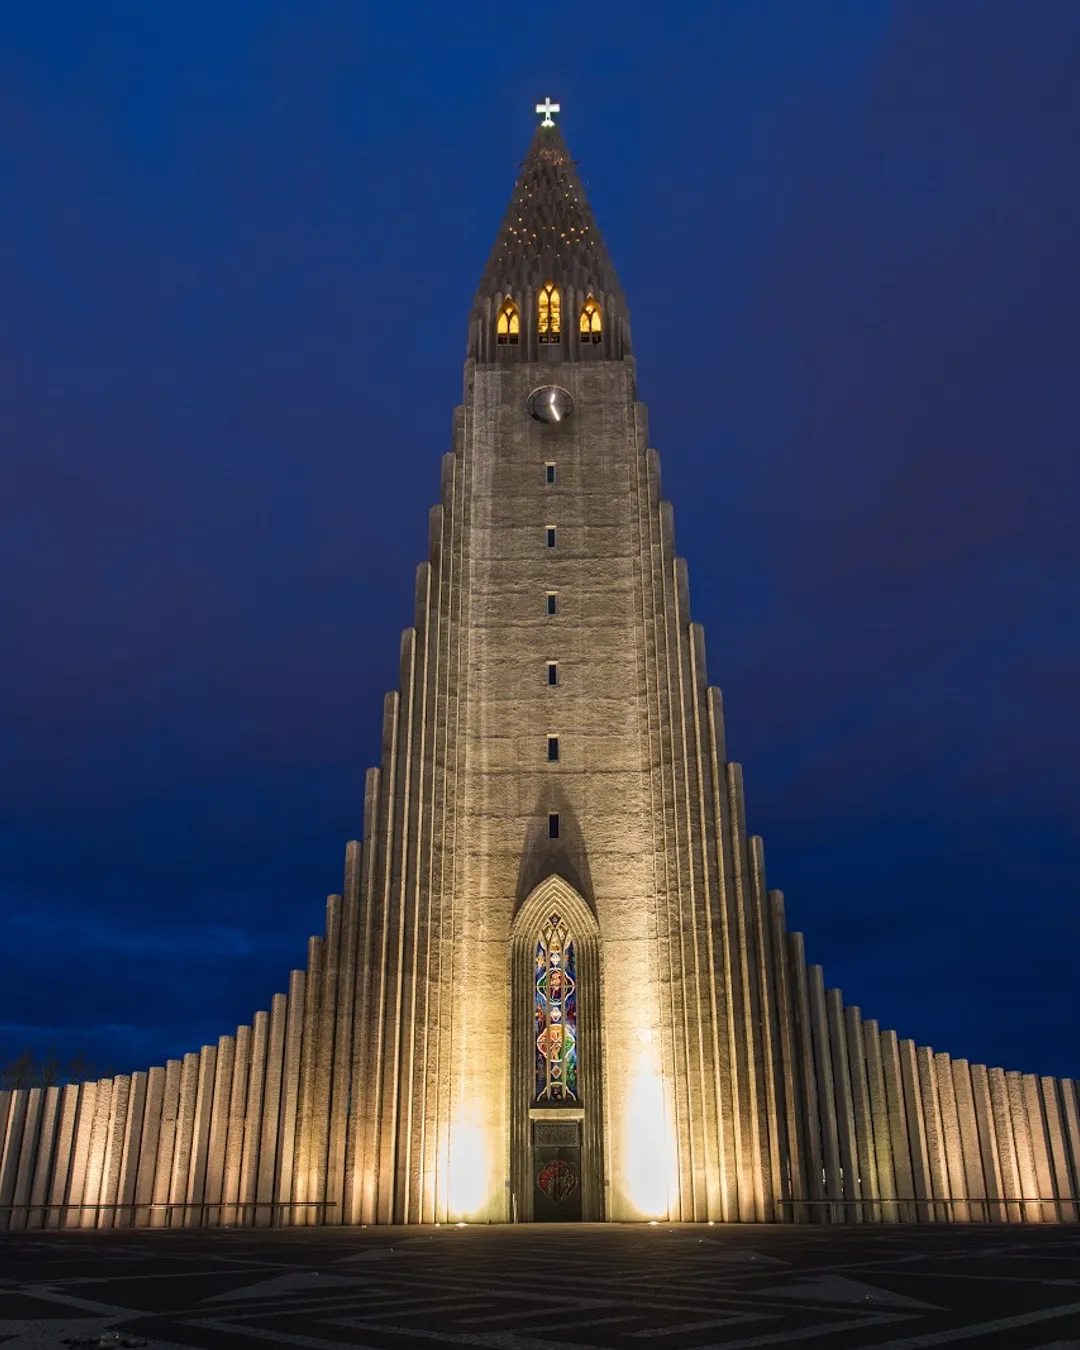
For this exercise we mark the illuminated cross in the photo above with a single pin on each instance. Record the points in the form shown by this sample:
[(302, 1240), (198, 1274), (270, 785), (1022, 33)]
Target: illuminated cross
[(547, 108)]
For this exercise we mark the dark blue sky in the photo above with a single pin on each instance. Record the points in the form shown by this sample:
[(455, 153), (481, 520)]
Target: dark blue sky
[(238, 245)]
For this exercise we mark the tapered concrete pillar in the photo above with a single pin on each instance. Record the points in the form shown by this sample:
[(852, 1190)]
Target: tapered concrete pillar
[(826, 1095), (879, 1111), (845, 1111), (249, 1163), (39, 1190), (862, 1115), (129, 1166), (1031, 1209), (898, 1127), (936, 1163), (271, 1116), (195, 1215), (80, 1155), (1062, 1182), (1070, 1118), (1006, 1144), (1040, 1148), (170, 1110), (988, 1145), (18, 1166), (185, 1134), (148, 1149), (290, 1093), (114, 1152), (916, 1129), (234, 1138), (960, 1211)]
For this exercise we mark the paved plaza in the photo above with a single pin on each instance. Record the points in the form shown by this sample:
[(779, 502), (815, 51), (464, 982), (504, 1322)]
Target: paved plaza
[(614, 1287)]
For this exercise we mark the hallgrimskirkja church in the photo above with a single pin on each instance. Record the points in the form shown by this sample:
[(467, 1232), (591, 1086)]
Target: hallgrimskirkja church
[(555, 985)]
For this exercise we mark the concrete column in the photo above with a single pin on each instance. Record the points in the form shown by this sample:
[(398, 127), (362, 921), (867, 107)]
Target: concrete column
[(185, 1133), (195, 1216), (916, 1128), (148, 1146), (826, 1093), (309, 1057), (61, 1167), (1063, 1187), (796, 1168), (772, 1119), (234, 1138), (249, 1161), (971, 1155), (114, 1151), (1070, 1115), (861, 1114), (95, 1162), (290, 1093), (80, 1154), (271, 1114), (18, 1168), (960, 1211), (323, 1081), (988, 1144), (1006, 1145), (898, 1127), (936, 1163), (804, 1049), (845, 1109), (219, 1130), (1025, 1157), (170, 1109), (343, 1044), (39, 1189), (882, 1132), (129, 1165), (1040, 1150)]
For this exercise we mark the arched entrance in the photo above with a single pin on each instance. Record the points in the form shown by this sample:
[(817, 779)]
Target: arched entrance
[(556, 1088)]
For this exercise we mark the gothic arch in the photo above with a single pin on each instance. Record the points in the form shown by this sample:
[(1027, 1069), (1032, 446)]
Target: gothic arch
[(555, 894)]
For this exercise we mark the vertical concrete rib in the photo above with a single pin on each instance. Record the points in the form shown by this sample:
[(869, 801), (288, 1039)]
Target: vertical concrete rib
[(1070, 1112), (916, 1129), (80, 1155), (271, 1113), (17, 1169), (323, 1080), (845, 1111), (804, 1048), (795, 1173), (234, 1139), (989, 1151), (195, 1215), (39, 1189), (771, 1118), (148, 1146), (898, 1125), (1040, 1148), (826, 1094), (952, 1142), (253, 1118), (182, 1148), (114, 1151), (129, 1168), (60, 1172), (1062, 1183), (219, 1129), (170, 1107), (1006, 1143), (862, 1116), (340, 1095), (891, 1212), (290, 1095), (356, 1135), (974, 1183), (303, 1180), (1025, 1153), (936, 1162), (95, 1160)]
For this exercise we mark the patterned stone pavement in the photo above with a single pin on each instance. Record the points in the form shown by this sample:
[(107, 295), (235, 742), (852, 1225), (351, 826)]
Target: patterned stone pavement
[(612, 1287)]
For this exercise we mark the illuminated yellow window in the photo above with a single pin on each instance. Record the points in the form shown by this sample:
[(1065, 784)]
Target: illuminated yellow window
[(590, 325), (549, 311), (508, 324)]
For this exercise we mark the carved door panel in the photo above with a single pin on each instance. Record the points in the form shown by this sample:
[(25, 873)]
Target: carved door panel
[(556, 1171)]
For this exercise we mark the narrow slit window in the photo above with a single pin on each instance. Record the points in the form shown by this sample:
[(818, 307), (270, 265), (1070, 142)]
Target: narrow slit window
[(549, 472), (550, 532), (553, 824), (553, 749), (553, 672), (552, 602)]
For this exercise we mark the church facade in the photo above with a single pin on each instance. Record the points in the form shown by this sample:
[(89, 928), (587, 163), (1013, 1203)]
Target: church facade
[(555, 985)]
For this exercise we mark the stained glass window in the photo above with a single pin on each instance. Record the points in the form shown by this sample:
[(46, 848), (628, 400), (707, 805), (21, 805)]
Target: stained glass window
[(549, 312), (508, 324), (555, 1010), (590, 325)]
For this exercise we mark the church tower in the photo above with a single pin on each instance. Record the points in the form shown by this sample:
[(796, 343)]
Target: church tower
[(555, 985)]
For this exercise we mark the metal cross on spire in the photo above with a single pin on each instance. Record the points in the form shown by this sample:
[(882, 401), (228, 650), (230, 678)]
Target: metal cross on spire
[(547, 108)]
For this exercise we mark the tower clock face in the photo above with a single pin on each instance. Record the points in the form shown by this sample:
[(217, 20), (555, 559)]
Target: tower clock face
[(550, 404)]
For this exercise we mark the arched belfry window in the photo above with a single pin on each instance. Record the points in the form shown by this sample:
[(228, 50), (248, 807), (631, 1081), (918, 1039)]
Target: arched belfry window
[(549, 313), (555, 1013), (508, 323), (591, 324)]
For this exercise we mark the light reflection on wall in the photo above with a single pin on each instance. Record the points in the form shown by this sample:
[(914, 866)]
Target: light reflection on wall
[(651, 1164), (470, 1170)]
